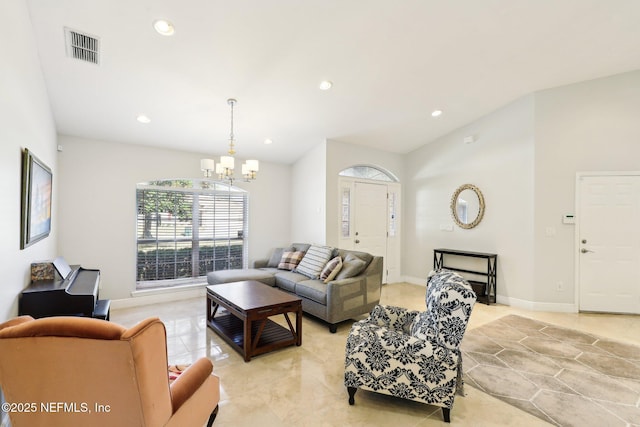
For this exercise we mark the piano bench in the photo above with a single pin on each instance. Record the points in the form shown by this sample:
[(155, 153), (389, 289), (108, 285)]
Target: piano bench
[(102, 309)]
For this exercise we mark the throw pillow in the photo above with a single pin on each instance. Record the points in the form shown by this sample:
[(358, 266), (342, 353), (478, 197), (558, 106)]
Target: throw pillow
[(331, 269), (175, 371), (314, 260), (276, 256), (351, 266), (290, 260)]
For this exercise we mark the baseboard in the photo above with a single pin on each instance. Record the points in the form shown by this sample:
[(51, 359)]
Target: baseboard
[(513, 302), (156, 296), (415, 280), (558, 307)]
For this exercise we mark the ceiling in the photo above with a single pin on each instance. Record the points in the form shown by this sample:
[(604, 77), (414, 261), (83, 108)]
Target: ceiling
[(391, 63)]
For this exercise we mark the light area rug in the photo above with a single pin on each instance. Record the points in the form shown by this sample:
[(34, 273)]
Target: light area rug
[(565, 377)]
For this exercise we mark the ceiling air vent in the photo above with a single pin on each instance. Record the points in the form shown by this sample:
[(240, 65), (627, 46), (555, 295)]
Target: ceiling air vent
[(82, 46)]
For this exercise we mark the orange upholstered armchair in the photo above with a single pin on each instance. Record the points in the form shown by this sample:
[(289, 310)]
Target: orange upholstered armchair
[(63, 371)]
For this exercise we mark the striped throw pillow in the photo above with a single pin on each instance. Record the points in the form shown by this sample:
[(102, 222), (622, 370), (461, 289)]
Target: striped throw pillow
[(314, 261), (331, 269)]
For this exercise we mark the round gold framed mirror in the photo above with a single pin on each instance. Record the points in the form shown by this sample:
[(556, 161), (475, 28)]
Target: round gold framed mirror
[(467, 206)]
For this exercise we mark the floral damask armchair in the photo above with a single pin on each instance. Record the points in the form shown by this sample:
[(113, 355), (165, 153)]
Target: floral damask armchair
[(410, 354)]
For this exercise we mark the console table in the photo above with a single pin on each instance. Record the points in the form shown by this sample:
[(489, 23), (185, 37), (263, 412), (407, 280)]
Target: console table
[(485, 289)]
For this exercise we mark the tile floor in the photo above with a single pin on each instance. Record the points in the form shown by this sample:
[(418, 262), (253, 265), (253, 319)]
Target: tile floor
[(302, 386)]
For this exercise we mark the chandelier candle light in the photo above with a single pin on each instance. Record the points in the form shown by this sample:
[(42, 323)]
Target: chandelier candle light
[(225, 168)]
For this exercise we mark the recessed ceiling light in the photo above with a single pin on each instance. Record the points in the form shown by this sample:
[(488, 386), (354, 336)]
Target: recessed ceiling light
[(164, 27), (268, 141), (143, 119), (325, 85), (436, 113)]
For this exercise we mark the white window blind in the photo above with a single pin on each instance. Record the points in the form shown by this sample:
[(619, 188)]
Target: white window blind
[(187, 228)]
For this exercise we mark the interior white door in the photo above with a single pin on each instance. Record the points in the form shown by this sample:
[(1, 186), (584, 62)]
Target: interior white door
[(609, 243), (370, 218)]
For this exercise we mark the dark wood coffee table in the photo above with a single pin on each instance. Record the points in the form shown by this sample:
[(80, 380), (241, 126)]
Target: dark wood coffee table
[(246, 326)]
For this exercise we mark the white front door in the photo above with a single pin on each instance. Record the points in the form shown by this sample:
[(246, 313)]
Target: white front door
[(608, 243), (370, 218), (370, 221)]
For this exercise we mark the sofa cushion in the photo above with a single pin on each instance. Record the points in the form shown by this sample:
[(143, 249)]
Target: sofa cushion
[(314, 260), (303, 247), (351, 267), (276, 256), (290, 260), (331, 269), (287, 280), (315, 290)]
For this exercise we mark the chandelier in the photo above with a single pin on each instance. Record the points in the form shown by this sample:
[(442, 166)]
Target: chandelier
[(224, 169)]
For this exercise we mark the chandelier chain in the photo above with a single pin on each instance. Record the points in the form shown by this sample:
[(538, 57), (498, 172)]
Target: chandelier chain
[(232, 150)]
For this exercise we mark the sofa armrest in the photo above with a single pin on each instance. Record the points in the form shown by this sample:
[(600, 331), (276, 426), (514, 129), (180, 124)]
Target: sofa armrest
[(374, 269), (189, 381), (392, 317), (260, 263), (391, 340), (370, 278), (15, 321), (338, 290), (354, 295), (200, 397), (349, 297)]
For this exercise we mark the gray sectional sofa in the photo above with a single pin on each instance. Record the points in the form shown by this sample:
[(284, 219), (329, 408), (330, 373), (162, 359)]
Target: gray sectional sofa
[(342, 298)]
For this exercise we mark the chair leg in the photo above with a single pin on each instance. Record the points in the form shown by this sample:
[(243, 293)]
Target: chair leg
[(333, 328), (446, 415), (352, 393), (212, 417)]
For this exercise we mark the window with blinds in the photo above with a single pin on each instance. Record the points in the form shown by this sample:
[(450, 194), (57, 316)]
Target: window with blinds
[(187, 228)]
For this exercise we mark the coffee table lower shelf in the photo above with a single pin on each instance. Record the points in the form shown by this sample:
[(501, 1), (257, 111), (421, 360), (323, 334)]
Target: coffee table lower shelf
[(273, 336)]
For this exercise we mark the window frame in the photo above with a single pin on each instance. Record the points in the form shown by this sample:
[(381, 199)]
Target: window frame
[(369, 172), (202, 195)]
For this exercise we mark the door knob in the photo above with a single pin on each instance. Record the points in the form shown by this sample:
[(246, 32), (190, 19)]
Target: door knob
[(584, 240), (584, 251), (357, 241)]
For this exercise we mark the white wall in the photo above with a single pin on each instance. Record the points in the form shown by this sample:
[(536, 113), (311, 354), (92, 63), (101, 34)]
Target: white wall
[(524, 161), (500, 163), (340, 156), (588, 126), (25, 122), (308, 193), (98, 205)]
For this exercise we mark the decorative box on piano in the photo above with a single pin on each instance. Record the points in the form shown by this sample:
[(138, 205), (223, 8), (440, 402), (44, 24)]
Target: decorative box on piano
[(73, 291)]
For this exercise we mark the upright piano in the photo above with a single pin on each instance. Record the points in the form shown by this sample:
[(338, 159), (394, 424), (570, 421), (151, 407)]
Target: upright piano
[(74, 293)]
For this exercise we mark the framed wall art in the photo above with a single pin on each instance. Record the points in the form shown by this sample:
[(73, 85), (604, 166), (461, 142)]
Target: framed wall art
[(37, 183)]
